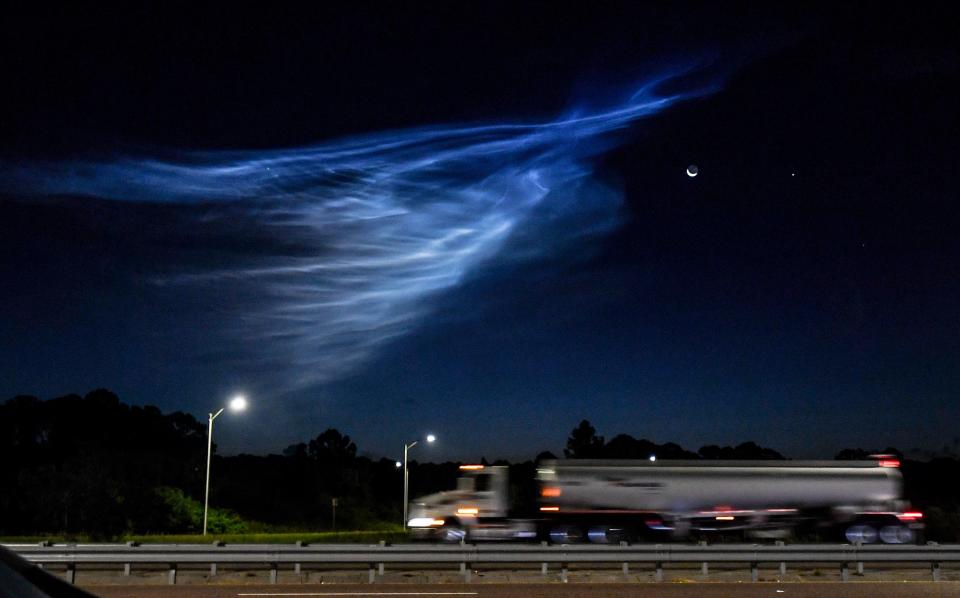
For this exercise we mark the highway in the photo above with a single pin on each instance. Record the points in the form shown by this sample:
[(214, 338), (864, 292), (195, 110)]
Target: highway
[(860, 589)]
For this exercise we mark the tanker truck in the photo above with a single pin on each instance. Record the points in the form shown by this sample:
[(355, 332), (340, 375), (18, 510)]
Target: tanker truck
[(618, 500)]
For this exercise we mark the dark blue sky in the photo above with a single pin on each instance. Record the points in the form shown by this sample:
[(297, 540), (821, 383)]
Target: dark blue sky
[(467, 220)]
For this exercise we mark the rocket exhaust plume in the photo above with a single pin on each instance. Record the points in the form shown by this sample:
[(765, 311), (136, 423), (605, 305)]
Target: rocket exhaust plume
[(384, 223)]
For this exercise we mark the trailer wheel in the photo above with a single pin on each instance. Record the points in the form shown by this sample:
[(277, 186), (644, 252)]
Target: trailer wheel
[(453, 534), (865, 534), (606, 534), (566, 534), (897, 534)]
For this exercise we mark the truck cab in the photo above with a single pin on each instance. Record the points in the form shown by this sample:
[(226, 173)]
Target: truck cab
[(476, 510)]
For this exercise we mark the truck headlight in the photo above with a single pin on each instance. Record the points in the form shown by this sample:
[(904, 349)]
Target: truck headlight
[(425, 522)]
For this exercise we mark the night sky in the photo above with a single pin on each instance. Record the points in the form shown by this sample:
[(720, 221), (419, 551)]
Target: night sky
[(475, 220)]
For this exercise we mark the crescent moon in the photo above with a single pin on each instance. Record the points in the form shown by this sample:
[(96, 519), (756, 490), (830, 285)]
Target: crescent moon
[(692, 170)]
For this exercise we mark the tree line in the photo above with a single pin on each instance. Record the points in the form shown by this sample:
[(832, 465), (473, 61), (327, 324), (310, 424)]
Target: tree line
[(95, 466), (584, 443)]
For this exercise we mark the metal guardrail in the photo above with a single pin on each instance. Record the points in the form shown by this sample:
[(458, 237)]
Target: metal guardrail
[(468, 556)]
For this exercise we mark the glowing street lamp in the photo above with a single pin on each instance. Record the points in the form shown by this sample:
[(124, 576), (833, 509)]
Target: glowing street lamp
[(236, 404), (406, 474)]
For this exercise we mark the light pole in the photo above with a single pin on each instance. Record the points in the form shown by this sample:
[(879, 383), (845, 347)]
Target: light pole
[(406, 475), (237, 403)]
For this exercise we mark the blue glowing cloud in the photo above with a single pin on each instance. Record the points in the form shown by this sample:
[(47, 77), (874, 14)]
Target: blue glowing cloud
[(390, 221)]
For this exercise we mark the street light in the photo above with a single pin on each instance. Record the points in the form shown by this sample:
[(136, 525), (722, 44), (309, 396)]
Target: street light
[(237, 403), (406, 474)]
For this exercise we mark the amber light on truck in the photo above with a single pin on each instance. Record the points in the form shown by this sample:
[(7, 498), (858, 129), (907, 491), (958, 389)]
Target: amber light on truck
[(550, 491), (468, 511), (471, 467), (550, 509)]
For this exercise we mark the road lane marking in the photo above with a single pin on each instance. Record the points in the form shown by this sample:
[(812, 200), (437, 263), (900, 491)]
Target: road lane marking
[(364, 594)]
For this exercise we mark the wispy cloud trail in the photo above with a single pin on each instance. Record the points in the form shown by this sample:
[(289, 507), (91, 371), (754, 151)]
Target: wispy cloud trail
[(389, 221)]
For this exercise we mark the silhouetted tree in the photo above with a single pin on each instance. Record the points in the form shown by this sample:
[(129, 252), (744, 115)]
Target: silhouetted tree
[(624, 446), (851, 454), (332, 447), (672, 450), (747, 451), (859, 454), (545, 456), (296, 451), (90, 464), (584, 442)]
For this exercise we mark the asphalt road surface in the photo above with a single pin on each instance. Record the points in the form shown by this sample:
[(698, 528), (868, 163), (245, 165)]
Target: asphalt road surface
[(853, 589)]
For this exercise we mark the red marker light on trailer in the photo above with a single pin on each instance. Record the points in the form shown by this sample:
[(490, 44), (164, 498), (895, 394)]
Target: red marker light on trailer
[(910, 515), (889, 463)]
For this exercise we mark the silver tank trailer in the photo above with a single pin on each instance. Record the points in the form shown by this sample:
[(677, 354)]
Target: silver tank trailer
[(684, 487)]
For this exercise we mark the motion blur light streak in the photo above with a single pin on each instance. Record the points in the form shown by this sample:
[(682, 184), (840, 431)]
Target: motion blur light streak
[(389, 219)]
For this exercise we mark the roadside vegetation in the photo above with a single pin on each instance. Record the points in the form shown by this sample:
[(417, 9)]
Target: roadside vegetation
[(345, 537), (89, 469)]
